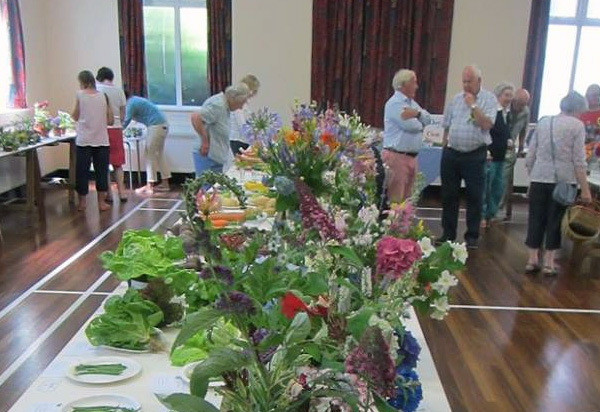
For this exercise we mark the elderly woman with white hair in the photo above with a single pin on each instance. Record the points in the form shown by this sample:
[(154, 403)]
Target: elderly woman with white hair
[(238, 117), (212, 122), (556, 155), (500, 133)]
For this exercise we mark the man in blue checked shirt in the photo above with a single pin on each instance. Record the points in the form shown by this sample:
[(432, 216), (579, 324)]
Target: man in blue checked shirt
[(404, 120), (468, 119)]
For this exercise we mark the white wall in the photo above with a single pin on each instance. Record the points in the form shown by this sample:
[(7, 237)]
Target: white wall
[(491, 34), (274, 42)]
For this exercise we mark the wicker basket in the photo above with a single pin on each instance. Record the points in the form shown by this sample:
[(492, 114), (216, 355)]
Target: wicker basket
[(581, 223)]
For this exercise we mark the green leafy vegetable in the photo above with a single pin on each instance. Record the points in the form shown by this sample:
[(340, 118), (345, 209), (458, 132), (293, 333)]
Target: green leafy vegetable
[(126, 323), (198, 346), (143, 252)]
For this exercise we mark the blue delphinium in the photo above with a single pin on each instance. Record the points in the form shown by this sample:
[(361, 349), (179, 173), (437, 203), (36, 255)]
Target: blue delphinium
[(409, 393), (408, 352)]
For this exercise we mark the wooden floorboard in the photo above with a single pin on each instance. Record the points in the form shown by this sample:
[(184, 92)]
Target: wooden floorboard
[(14, 387), (505, 359)]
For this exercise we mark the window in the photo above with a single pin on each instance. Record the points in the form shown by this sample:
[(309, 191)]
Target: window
[(572, 51), (176, 42)]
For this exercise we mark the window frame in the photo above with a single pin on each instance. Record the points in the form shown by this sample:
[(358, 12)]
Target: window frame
[(579, 21), (177, 5)]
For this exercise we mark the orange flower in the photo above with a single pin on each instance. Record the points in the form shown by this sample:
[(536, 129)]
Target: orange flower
[(329, 140), (291, 136)]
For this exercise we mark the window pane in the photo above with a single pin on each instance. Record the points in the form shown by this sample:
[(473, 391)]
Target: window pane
[(557, 67), (563, 8), (593, 10), (588, 61), (159, 33), (194, 47)]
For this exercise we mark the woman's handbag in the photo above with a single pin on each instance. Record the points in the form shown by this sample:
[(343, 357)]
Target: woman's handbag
[(564, 193)]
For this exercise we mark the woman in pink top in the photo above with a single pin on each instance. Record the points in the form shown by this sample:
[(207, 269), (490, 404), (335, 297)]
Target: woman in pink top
[(93, 115)]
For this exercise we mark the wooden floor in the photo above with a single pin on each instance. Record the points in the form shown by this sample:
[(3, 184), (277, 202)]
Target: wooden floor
[(511, 343)]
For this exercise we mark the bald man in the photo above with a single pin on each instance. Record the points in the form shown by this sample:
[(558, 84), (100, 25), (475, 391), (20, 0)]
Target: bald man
[(519, 111), (468, 119)]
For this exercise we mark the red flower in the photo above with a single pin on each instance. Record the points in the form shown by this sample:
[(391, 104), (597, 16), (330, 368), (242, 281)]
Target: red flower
[(292, 304)]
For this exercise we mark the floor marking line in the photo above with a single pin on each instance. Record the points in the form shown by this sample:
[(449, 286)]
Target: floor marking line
[(70, 260), (155, 209), (16, 364), (528, 309)]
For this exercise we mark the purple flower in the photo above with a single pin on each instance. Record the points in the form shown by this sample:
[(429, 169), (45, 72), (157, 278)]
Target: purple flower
[(222, 273), (236, 303), (371, 361), (258, 335), (261, 127), (313, 215)]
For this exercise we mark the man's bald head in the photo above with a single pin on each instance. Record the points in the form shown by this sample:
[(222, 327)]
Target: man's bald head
[(521, 100), (471, 79)]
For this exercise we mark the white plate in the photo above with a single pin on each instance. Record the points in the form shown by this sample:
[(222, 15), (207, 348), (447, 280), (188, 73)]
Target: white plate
[(125, 350), (133, 368), (103, 400), (186, 374)]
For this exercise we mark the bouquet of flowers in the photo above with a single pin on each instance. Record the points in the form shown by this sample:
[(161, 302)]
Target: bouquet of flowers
[(61, 123)]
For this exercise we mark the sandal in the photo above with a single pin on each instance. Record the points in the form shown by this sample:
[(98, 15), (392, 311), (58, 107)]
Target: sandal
[(532, 268), (548, 271)]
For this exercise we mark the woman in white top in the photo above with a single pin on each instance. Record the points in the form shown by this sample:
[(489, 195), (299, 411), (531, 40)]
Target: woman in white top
[(93, 116), (238, 118), (117, 102)]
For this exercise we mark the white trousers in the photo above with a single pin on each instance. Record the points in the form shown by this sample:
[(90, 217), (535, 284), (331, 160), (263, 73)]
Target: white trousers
[(155, 146)]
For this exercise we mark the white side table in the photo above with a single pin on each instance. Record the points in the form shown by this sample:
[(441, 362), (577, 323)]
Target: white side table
[(129, 141)]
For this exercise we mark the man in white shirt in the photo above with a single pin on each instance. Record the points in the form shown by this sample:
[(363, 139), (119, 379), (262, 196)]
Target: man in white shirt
[(403, 126)]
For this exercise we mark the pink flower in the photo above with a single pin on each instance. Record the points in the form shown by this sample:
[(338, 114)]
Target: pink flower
[(208, 202), (395, 256)]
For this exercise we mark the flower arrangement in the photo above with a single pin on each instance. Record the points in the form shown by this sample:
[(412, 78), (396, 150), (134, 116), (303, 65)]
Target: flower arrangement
[(133, 131), (308, 316), (41, 118), (61, 123)]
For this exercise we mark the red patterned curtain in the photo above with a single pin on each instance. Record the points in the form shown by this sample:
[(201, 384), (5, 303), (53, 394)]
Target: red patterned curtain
[(536, 52), (219, 44), (131, 40), (358, 45), (11, 17)]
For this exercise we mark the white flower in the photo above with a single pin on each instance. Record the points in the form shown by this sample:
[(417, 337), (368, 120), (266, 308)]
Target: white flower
[(444, 283), (368, 215), (440, 308), (459, 252), (366, 282), (329, 177), (340, 222), (344, 297), (363, 240), (426, 247), (291, 267)]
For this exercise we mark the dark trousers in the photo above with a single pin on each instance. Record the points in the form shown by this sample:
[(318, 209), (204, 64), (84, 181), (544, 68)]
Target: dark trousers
[(470, 167), (545, 217), (236, 146), (86, 155)]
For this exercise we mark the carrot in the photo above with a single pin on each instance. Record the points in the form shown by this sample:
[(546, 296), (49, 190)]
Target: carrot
[(230, 217), (218, 224)]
